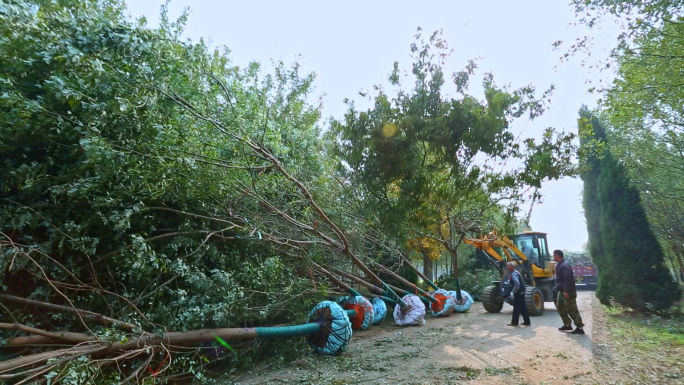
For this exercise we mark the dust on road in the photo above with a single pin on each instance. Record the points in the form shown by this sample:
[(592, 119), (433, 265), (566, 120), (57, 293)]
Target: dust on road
[(476, 347)]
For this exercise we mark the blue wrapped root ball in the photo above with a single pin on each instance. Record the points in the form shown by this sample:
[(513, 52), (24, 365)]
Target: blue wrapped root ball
[(379, 310), (464, 304), (335, 328), (444, 305), (364, 311)]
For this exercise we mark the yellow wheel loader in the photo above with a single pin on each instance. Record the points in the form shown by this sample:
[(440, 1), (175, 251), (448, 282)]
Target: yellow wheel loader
[(529, 251)]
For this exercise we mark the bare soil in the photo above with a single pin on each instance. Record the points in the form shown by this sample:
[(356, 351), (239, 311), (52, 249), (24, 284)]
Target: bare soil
[(475, 347)]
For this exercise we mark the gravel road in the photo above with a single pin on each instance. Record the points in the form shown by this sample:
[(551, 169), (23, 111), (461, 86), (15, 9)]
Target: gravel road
[(476, 347)]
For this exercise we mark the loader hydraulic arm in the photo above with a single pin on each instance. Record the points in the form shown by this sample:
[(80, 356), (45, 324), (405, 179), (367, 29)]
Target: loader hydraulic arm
[(492, 240), (509, 252)]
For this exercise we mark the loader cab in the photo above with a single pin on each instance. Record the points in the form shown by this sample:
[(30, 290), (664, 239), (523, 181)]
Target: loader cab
[(534, 246)]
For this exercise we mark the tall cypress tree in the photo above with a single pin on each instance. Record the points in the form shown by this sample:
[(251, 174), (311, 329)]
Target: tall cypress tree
[(592, 138), (627, 253), (636, 272)]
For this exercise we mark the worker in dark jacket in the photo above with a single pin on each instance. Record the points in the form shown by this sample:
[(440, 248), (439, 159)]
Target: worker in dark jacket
[(518, 296), (567, 295)]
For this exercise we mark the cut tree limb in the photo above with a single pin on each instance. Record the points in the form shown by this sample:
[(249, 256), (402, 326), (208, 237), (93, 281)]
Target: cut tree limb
[(31, 341), (59, 337), (99, 318), (38, 358)]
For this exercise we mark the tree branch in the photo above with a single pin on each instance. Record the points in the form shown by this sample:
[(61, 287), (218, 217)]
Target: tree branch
[(69, 337), (99, 318), (42, 357)]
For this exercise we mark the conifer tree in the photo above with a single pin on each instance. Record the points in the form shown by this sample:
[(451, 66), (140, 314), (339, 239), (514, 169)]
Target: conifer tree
[(636, 273), (629, 258), (592, 138)]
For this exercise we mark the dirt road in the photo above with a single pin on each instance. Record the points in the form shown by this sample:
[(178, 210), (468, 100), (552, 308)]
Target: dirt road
[(476, 346)]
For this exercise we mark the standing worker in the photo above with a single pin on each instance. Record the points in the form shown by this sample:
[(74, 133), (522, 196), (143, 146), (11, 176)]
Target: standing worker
[(518, 296), (567, 295)]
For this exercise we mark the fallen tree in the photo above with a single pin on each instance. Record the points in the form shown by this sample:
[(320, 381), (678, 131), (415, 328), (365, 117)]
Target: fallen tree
[(156, 194)]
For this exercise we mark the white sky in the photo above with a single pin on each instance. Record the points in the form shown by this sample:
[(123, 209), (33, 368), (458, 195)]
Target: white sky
[(352, 45)]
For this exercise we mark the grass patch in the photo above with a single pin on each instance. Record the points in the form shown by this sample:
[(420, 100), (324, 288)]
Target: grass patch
[(507, 371), (340, 382), (645, 331), (641, 348), (466, 372)]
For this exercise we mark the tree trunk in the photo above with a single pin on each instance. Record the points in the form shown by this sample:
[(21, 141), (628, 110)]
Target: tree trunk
[(676, 254), (454, 265), (675, 271), (427, 268), (681, 265)]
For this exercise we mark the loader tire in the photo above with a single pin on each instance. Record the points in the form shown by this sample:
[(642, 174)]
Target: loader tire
[(491, 300), (534, 299)]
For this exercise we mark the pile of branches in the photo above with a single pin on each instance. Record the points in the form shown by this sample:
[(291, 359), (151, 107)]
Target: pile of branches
[(57, 340)]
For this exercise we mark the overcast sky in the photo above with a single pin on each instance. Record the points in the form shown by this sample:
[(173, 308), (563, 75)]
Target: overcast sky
[(352, 46)]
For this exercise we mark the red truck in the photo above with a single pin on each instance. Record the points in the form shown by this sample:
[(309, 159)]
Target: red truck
[(583, 268)]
